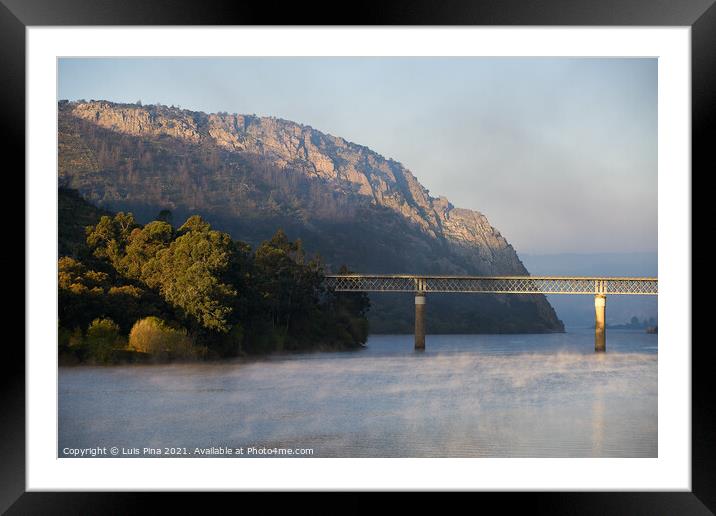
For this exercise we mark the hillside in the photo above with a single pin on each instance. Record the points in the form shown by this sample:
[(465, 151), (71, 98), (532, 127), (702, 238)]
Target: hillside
[(74, 215), (249, 175)]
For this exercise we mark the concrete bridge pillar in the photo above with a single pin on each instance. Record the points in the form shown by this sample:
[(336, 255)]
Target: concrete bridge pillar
[(600, 336), (420, 321)]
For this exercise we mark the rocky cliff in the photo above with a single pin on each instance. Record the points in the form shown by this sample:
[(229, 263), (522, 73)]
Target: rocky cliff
[(248, 174)]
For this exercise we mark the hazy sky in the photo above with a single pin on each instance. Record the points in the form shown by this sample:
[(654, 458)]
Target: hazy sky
[(559, 153)]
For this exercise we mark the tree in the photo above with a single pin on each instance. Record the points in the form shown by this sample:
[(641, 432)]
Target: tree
[(102, 339), (80, 292), (350, 310), (141, 248), (85, 294), (289, 287), (189, 274), (166, 216), (109, 237), (230, 299)]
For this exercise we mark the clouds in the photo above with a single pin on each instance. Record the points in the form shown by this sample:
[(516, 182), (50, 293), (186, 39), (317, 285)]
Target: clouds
[(559, 153)]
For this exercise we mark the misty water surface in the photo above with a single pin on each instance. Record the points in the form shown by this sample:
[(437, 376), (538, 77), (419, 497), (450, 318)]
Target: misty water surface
[(466, 396)]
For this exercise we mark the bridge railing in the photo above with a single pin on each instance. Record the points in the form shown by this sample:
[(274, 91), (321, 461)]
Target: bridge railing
[(493, 284)]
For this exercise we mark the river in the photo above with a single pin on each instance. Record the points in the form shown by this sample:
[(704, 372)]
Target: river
[(465, 396)]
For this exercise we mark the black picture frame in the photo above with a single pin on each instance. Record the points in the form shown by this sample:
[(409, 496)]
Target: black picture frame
[(700, 15)]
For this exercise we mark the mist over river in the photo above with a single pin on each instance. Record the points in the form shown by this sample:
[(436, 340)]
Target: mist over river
[(465, 396)]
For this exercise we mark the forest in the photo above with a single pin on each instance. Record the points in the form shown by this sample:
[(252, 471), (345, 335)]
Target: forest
[(133, 292)]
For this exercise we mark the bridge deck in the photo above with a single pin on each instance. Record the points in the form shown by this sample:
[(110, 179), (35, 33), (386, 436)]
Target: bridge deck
[(492, 284)]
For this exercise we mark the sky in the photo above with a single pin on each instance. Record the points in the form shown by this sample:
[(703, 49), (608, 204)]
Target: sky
[(560, 154)]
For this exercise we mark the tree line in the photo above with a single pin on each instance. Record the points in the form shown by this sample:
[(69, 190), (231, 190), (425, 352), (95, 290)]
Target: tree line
[(156, 291)]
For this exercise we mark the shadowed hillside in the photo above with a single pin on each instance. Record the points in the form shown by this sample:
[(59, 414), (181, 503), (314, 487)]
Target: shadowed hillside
[(74, 215)]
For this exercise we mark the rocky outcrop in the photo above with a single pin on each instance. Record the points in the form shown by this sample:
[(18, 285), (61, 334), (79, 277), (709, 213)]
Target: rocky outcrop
[(350, 167)]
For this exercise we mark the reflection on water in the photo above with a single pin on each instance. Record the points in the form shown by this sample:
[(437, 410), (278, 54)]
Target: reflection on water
[(466, 396)]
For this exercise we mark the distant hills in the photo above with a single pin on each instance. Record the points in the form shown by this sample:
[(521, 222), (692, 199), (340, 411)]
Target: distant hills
[(250, 175)]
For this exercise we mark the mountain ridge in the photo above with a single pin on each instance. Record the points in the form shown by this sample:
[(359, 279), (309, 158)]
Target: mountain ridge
[(247, 172), (379, 180)]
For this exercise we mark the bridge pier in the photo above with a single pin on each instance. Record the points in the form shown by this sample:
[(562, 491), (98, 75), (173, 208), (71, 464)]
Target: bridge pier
[(420, 321), (420, 285), (600, 336)]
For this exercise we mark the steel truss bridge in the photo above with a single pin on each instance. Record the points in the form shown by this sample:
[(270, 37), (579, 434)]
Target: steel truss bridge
[(421, 285), (492, 284)]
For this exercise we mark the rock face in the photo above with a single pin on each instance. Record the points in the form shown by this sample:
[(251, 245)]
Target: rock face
[(234, 168)]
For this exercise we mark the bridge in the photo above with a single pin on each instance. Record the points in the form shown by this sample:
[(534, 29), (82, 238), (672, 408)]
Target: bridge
[(599, 287)]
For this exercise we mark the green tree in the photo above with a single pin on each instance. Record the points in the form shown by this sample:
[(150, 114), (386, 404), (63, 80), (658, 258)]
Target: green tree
[(109, 237), (190, 274), (80, 292), (231, 300), (143, 245), (102, 339), (85, 294), (289, 286)]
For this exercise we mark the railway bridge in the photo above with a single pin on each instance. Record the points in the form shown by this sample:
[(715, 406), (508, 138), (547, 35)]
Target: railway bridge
[(420, 286)]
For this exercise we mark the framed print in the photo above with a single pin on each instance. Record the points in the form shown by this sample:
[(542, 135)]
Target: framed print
[(437, 249)]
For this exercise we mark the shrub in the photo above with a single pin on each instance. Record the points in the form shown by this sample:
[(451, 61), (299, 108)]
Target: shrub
[(153, 336), (102, 339)]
